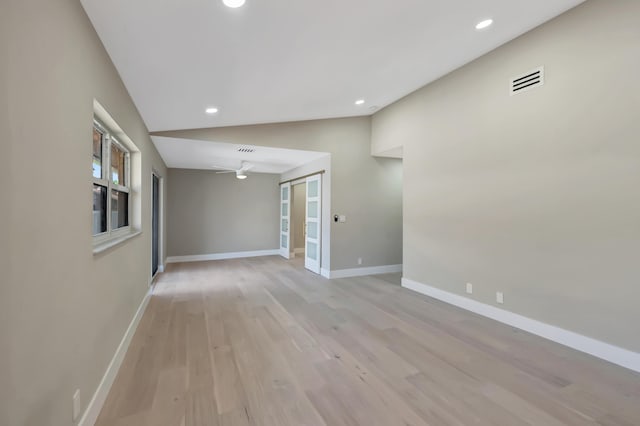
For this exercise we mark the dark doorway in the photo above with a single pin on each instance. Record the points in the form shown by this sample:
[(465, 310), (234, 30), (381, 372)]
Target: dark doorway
[(155, 225)]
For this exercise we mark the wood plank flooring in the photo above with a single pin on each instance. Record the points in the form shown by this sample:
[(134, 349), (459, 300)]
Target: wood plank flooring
[(263, 342)]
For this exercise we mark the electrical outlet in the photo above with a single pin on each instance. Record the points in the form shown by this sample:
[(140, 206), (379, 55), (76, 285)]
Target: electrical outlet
[(499, 297), (359, 261), (76, 405), (469, 288)]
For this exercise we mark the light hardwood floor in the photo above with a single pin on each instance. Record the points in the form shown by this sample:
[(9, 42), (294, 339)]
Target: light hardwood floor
[(262, 342)]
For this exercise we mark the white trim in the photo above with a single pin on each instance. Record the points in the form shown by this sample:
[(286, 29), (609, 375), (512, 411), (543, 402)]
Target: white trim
[(325, 273), (106, 245), (112, 125), (109, 138), (597, 348), (360, 272), (99, 397), (158, 272), (222, 256)]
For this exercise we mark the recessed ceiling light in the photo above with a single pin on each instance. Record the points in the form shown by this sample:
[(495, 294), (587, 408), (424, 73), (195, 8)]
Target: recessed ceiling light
[(484, 24), (211, 110), (233, 3), (360, 102)]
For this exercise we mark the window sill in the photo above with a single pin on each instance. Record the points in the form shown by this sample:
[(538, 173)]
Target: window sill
[(106, 245)]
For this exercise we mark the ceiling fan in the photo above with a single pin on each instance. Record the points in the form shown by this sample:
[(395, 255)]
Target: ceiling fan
[(241, 173)]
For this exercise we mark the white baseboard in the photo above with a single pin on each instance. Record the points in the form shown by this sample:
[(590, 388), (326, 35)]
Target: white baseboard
[(597, 348), (99, 397), (222, 256), (159, 271), (359, 272)]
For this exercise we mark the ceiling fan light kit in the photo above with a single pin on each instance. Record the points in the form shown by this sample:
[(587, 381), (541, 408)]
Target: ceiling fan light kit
[(241, 173), (233, 3)]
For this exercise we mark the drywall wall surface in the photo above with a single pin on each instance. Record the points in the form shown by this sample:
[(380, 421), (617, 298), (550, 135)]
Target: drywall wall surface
[(68, 309), (298, 216), (534, 195), (365, 189), (6, 398), (211, 213)]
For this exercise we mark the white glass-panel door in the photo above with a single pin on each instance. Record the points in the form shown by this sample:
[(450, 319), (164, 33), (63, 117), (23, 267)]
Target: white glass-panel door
[(313, 215), (285, 216)]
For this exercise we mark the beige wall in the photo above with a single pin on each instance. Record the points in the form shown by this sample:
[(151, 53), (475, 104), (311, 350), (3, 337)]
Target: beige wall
[(68, 309), (535, 195), (217, 213), (365, 189), (5, 178), (299, 211)]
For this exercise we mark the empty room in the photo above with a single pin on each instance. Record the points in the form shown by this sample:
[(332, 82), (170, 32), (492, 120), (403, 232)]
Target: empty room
[(274, 213)]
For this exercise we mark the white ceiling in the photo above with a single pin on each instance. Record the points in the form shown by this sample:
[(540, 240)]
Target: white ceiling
[(286, 60), (195, 154)]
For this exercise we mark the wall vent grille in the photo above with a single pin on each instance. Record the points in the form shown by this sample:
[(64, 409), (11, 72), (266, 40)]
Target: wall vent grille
[(527, 81), (245, 149)]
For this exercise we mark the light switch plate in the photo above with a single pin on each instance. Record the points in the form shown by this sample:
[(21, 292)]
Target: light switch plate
[(342, 218)]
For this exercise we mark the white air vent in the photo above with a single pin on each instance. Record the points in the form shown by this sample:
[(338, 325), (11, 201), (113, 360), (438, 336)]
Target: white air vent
[(245, 149), (527, 81)]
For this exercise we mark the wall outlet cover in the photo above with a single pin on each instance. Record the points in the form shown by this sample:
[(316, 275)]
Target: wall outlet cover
[(469, 288), (499, 297)]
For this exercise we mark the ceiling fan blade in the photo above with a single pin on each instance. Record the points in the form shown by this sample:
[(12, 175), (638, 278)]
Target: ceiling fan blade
[(223, 168), (226, 171)]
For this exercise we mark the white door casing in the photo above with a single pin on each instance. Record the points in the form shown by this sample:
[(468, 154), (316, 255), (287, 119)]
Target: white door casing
[(285, 219), (313, 214)]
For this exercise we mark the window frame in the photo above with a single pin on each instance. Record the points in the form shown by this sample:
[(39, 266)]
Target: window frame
[(106, 180)]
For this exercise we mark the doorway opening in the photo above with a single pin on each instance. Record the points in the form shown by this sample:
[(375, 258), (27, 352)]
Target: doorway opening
[(156, 225)]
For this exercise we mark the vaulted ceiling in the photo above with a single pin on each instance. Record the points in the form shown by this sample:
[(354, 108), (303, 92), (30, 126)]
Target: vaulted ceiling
[(287, 60)]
